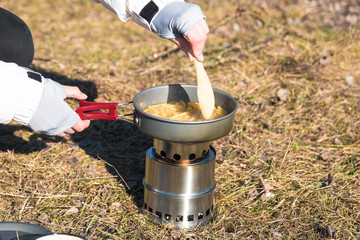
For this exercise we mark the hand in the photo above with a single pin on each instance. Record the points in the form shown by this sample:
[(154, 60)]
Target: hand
[(184, 24), (53, 115), (194, 42), (74, 92)]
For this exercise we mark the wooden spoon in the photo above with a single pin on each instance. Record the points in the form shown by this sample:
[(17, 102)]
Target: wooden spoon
[(204, 91)]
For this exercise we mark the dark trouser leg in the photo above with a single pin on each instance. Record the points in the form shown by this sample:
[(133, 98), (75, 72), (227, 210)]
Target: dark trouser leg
[(16, 44)]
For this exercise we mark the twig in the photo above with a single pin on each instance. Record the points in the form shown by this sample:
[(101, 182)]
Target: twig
[(286, 152), (122, 179), (38, 195)]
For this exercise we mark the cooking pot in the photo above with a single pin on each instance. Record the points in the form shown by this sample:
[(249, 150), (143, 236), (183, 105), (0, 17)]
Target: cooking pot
[(165, 129)]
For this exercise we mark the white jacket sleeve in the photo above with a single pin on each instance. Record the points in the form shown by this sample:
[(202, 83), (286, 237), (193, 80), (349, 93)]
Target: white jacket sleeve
[(20, 93), (140, 11)]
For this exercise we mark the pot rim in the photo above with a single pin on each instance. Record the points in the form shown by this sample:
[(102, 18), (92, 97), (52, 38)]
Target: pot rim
[(138, 109)]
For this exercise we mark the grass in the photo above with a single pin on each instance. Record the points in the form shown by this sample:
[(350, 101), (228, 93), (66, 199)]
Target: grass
[(304, 144)]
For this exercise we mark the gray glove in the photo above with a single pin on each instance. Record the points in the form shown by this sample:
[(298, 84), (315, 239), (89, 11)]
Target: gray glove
[(53, 115), (176, 19)]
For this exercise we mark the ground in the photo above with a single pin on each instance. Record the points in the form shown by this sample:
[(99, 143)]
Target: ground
[(290, 167)]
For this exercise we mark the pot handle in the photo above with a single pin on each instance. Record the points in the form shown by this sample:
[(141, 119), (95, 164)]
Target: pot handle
[(92, 110)]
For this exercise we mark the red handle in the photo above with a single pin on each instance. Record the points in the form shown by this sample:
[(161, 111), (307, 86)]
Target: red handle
[(90, 110)]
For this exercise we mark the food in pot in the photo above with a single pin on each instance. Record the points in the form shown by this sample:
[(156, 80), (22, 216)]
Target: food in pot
[(182, 111)]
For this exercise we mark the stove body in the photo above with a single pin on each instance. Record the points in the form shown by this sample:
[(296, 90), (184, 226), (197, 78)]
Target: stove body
[(179, 183)]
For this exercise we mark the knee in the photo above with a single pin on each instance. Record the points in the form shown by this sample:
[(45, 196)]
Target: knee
[(16, 43)]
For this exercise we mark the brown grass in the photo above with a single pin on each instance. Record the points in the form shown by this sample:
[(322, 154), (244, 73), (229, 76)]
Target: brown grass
[(302, 143)]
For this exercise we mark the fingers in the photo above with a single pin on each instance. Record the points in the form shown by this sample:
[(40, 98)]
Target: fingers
[(185, 46), (194, 42), (81, 125), (70, 131), (197, 37), (78, 127), (74, 92)]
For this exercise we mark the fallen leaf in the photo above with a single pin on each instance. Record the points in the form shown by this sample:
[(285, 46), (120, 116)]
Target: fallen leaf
[(350, 80), (267, 196), (267, 186), (242, 165), (276, 235), (337, 141), (77, 202), (71, 211), (74, 161), (253, 193), (43, 218), (331, 179), (282, 94), (330, 232), (116, 205), (327, 155)]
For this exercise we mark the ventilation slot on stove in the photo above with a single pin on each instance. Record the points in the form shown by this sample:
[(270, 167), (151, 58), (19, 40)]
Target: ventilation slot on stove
[(179, 218), (177, 157)]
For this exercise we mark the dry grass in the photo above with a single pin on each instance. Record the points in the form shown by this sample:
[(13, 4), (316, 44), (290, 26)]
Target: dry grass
[(290, 169)]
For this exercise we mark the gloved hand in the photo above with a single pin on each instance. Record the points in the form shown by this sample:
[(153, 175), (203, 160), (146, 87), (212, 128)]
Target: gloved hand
[(181, 22), (184, 24), (53, 116)]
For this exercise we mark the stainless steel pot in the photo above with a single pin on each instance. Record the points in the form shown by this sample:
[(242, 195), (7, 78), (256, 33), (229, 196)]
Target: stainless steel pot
[(165, 129)]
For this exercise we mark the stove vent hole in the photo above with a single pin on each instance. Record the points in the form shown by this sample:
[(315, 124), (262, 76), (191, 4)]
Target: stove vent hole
[(203, 153), (163, 154), (179, 218), (190, 218), (150, 209), (207, 212), (158, 214), (200, 215), (192, 156), (177, 157), (145, 206), (167, 217)]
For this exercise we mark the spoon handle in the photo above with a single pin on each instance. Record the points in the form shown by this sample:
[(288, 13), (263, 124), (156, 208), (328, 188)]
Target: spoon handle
[(204, 91)]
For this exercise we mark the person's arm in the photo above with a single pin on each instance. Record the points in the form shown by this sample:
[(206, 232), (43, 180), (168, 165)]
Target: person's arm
[(181, 22), (30, 99)]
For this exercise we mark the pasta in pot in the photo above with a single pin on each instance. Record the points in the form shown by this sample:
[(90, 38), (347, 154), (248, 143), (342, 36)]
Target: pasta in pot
[(182, 111)]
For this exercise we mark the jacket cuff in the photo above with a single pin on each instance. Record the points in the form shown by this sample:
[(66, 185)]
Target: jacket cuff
[(144, 11), (141, 12), (27, 103)]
